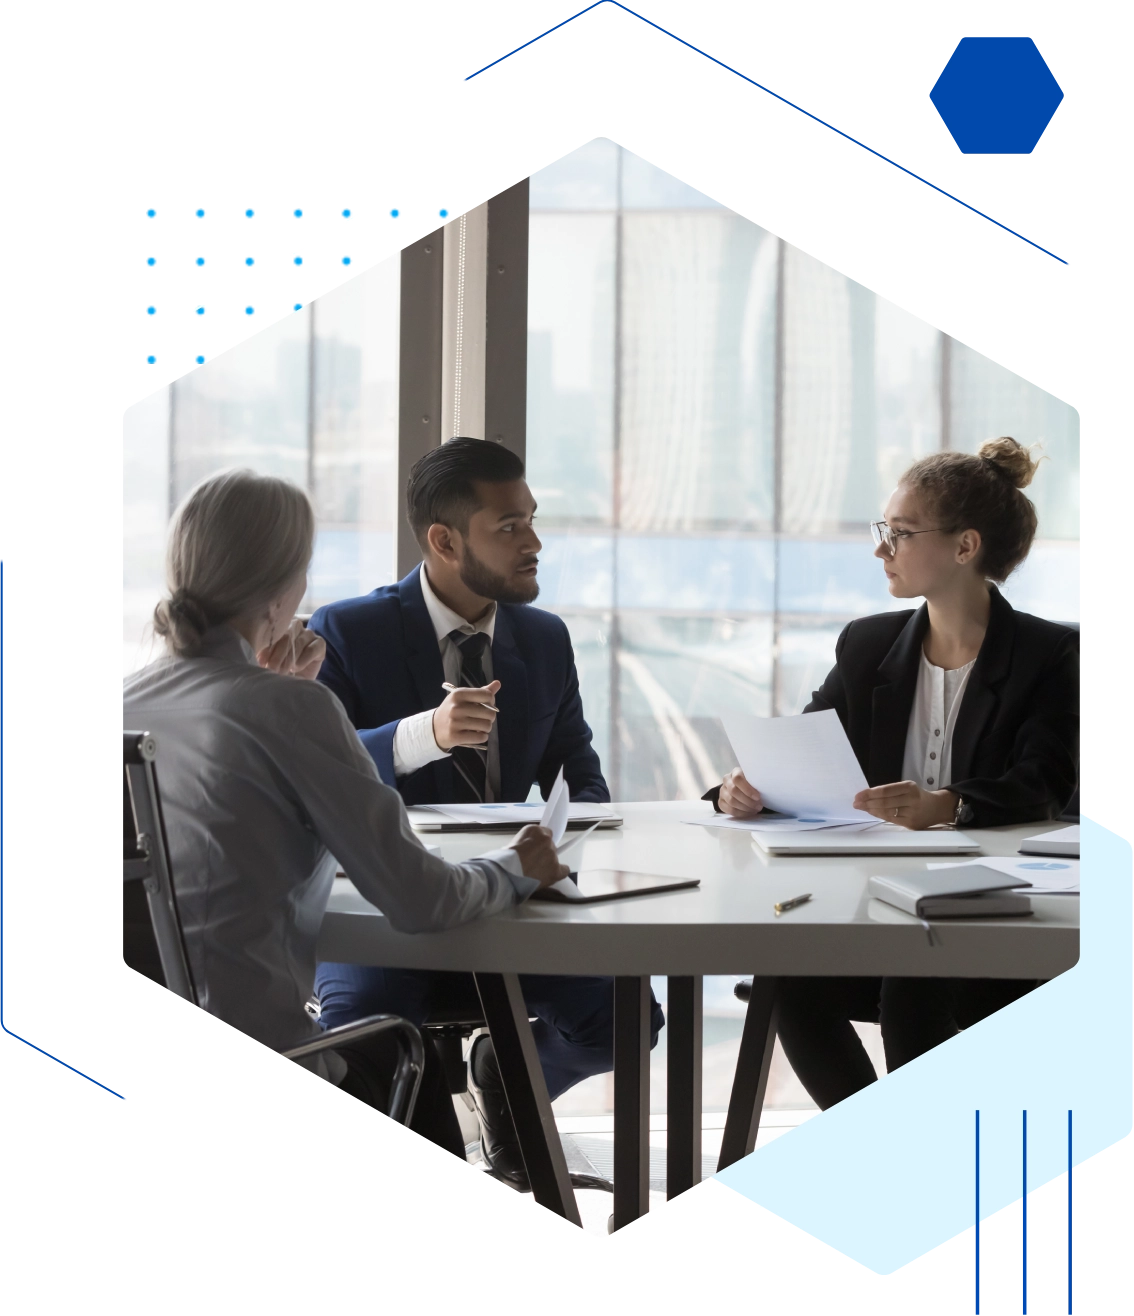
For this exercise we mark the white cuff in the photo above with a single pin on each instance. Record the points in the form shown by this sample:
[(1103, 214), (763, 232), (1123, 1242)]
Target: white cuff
[(414, 745), (509, 860)]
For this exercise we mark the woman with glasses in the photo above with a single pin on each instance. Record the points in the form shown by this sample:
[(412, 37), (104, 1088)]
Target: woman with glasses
[(963, 711)]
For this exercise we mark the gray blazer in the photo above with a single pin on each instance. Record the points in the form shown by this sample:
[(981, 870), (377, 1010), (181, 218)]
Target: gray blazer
[(264, 783)]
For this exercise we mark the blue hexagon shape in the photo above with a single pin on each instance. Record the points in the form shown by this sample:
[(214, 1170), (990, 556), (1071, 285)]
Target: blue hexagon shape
[(996, 95)]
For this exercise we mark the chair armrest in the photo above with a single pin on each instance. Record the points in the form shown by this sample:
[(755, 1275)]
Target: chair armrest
[(369, 1027), (411, 1059)]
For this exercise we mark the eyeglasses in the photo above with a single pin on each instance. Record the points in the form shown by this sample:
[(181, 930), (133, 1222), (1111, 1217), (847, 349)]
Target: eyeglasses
[(887, 538)]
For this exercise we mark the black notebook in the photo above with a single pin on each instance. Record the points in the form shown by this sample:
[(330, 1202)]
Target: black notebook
[(596, 884)]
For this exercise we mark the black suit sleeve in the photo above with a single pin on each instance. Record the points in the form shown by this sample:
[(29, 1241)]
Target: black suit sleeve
[(569, 746), (714, 794), (832, 693), (1043, 766), (829, 695)]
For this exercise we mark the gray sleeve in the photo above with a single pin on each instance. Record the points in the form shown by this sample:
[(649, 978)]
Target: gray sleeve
[(509, 861), (364, 824)]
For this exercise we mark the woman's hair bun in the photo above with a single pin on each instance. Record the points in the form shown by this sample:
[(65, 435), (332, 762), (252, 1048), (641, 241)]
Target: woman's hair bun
[(1011, 459), (182, 620)]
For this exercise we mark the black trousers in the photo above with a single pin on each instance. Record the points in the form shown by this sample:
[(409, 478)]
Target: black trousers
[(370, 1071), (916, 1014)]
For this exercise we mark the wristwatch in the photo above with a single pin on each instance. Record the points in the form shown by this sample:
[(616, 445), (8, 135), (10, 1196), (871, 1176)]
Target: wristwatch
[(963, 812)]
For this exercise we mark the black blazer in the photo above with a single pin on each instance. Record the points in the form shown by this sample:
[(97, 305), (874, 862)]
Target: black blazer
[(1016, 740)]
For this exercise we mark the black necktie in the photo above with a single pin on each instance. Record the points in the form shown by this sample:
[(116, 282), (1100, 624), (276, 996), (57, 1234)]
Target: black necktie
[(471, 762)]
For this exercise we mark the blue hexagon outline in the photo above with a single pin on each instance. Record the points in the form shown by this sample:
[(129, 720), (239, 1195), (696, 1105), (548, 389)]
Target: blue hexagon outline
[(994, 91)]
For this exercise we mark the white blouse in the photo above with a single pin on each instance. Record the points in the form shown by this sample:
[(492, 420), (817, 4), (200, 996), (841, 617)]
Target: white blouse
[(929, 738)]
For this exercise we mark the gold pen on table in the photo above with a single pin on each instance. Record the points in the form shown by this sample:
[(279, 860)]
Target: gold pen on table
[(793, 903), (445, 685)]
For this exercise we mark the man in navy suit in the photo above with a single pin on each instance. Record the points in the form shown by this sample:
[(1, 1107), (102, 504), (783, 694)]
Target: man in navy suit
[(513, 717)]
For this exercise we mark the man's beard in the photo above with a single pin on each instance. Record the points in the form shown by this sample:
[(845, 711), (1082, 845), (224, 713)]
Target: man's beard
[(477, 577)]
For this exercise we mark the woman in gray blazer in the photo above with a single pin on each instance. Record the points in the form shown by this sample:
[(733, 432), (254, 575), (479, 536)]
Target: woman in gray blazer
[(265, 785)]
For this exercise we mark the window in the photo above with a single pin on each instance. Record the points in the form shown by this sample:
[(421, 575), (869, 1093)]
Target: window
[(714, 418), (313, 398)]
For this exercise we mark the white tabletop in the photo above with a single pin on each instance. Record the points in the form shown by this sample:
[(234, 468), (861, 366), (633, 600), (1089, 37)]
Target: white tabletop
[(725, 926)]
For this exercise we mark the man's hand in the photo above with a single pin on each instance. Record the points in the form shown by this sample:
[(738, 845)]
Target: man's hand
[(905, 803), (463, 719), (538, 856), (739, 797), (298, 652)]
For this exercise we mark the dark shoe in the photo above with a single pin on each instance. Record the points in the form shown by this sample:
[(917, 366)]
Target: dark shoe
[(499, 1145)]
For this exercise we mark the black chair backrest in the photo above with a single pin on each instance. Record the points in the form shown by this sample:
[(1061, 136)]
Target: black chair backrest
[(146, 865)]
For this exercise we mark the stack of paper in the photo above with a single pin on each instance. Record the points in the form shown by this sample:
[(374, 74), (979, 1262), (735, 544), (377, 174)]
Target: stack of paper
[(803, 766), (509, 815), (804, 769), (1050, 876), (1063, 841), (781, 824)]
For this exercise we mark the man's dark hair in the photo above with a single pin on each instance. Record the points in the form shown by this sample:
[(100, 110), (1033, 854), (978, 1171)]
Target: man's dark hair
[(440, 485)]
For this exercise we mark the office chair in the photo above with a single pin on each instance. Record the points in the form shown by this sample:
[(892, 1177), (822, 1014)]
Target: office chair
[(449, 1027), (154, 943)]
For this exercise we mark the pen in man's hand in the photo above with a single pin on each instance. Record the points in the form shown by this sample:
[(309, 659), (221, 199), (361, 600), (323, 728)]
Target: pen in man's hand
[(793, 903), (445, 685)]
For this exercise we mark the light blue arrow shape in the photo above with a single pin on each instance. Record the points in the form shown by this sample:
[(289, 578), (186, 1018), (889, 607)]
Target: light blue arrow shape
[(887, 1177)]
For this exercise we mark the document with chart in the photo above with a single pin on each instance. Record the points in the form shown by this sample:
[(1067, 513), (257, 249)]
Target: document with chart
[(802, 766)]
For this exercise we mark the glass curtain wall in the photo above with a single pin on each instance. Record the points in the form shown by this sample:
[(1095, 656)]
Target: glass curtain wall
[(313, 398), (714, 418)]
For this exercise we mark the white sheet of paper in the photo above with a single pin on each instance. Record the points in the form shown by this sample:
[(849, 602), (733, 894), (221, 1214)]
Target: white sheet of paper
[(519, 814), (557, 810), (567, 888), (801, 765), (1051, 875), (777, 824), (487, 813), (574, 841)]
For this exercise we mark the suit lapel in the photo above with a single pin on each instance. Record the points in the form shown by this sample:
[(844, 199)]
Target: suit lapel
[(892, 700), (509, 669), (981, 699), (423, 656)]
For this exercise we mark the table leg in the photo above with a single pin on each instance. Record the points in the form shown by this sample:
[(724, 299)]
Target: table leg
[(684, 1032), (631, 1099), (742, 1122), (526, 1089)]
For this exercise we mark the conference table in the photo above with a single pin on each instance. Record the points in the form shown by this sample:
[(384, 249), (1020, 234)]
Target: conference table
[(727, 925)]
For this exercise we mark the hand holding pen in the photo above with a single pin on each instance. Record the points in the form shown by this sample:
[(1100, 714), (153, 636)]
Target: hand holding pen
[(465, 716), (467, 689)]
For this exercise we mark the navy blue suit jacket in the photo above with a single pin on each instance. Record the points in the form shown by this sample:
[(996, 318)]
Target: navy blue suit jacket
[(384, 663)]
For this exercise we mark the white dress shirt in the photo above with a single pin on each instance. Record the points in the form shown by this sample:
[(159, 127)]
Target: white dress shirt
[(414, 743), (929, 737), (264, 783)]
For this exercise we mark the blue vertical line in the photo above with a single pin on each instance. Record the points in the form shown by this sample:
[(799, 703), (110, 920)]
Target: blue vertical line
[(1025, 1200), (1067, 1256), (977, 1177)]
